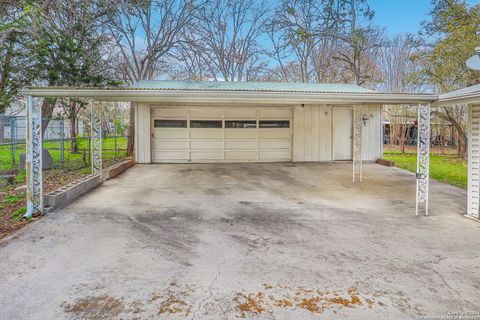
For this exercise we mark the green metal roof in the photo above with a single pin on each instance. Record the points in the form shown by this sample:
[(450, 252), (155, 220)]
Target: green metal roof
[(250, 86)]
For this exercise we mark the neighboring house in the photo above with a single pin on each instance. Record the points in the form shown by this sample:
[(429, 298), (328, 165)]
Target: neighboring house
[(14, 125), (16, 109)]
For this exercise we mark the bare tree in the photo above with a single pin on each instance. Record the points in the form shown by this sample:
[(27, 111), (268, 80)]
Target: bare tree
[(394, 61), (325, 68), (229, 31), (329, 40), (349, 21), (145, 31), (291, 30), (191, 59), (142, 57)]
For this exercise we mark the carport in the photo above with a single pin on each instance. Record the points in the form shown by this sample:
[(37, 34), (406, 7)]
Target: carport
[(145, 96)]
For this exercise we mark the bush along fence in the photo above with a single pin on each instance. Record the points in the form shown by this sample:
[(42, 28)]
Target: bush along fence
[(63, 148)]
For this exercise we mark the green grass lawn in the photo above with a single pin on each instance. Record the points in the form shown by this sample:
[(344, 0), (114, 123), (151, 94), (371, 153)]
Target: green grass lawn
[(446, 168), (112, 148)]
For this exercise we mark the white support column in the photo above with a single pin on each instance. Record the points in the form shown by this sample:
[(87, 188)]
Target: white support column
[(473, 209), (423, 158), (33, 157), (357, 143), (96, 136)]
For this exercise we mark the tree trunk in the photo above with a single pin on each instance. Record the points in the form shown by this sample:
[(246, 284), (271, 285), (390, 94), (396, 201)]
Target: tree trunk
[(462, 136), (73, 134), (2, 128), (402, 137), (408, 133), (463, 144), (48, 106), (131, 132), (5, 75)]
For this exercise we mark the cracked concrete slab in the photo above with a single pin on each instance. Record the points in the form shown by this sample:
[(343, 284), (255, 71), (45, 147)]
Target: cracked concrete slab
[(233, 241)]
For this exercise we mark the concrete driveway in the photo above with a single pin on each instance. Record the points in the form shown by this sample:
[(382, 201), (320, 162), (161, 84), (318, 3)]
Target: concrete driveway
[(263, 241)]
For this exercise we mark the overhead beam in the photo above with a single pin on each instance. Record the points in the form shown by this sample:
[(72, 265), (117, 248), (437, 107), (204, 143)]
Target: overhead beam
[(224, 96)]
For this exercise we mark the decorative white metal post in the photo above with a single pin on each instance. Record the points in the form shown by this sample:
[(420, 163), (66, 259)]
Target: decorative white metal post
[(357, 143), (423, 158), (33, 157), (473, 207), (96, 136)]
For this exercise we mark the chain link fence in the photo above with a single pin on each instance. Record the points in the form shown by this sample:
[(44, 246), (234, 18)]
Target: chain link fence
[(64, 149)]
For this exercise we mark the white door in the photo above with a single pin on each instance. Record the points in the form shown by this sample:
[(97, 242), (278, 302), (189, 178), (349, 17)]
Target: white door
[(206, 134), (343, 133)]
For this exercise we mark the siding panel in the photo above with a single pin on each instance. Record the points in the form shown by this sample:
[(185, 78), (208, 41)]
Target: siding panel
[(313, 129)]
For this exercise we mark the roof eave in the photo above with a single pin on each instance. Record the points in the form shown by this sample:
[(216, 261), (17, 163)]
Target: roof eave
[(194, 96), (446, 100)]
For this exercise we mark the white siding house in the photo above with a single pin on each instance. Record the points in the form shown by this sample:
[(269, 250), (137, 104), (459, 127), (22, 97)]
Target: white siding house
[(245, 132)]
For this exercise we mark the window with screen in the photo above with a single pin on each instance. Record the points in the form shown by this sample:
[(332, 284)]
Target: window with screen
[(170, 123), (274, 124), (205, 123), (240, 124)]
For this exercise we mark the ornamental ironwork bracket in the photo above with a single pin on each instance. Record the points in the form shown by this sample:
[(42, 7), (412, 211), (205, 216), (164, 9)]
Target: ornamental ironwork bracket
[(423, 159), (357, 143), (33, 157), (96, 136)]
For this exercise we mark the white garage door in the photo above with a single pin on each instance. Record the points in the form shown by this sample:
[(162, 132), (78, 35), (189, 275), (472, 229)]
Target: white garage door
[(204, 134)]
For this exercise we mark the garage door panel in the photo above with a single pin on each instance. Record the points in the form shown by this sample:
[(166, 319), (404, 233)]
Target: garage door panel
[(160, 144), (241, 155), (170, 133), (208, 144), (170, 155), (206, 113), (274, 144), (274, 133), (170, 113), (236, 145), (240, 134), (207, 155), (274, 114), (275, 155), (240, 113), (206, 133)]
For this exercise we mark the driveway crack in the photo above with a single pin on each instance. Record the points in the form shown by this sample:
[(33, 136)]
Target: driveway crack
[(210, 289), (446, 284)]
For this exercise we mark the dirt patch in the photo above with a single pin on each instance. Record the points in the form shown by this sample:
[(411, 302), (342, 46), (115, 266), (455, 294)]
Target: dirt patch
[(174, 300), (13, 199), (315, 301), (173, 305), (136, 307), (95, 308), (251, 304)]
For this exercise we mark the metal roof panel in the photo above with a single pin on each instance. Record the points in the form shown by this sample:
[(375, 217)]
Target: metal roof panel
[(250, 86)]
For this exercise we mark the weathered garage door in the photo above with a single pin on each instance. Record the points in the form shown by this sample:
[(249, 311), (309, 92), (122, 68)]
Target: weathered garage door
[(204, 134)]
